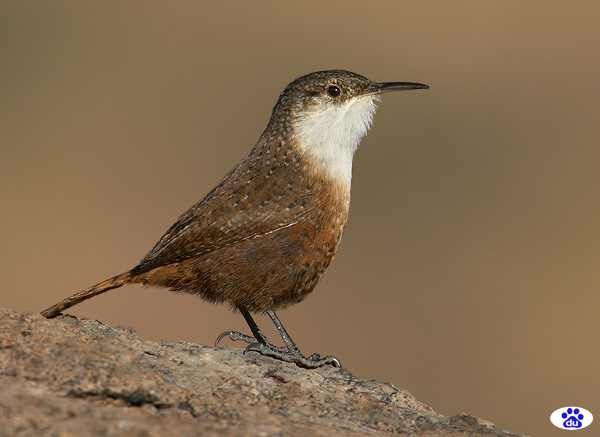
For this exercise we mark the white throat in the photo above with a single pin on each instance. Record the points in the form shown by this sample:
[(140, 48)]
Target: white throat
[(331, 135)]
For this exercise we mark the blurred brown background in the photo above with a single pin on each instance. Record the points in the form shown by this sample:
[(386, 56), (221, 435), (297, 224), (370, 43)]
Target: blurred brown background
[(468, 273)]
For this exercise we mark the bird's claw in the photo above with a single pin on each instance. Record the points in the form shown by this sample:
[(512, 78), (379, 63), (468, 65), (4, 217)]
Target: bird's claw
[(234, 336)]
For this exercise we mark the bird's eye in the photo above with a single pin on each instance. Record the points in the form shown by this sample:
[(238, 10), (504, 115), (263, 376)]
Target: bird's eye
[(334, 91)]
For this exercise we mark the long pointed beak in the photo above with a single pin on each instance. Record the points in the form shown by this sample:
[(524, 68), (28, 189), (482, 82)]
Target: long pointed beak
[(384, 87)]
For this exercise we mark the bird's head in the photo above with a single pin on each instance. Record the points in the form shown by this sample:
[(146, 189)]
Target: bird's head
[(330, 112)]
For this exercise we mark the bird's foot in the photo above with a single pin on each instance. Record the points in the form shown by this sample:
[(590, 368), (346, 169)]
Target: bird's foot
[(288, 355), (235, 336), (292, 356)]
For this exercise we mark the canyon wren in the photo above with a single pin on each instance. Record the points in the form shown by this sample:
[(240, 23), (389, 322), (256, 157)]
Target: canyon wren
[(264, 236)]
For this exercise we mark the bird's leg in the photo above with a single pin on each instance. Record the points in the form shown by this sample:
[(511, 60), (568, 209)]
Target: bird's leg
[(290, 353)]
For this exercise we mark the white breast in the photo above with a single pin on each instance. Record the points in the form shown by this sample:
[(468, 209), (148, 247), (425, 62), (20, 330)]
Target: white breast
[(330, 135)]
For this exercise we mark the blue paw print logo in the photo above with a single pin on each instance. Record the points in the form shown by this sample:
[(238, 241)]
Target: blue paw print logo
[(572, 418)]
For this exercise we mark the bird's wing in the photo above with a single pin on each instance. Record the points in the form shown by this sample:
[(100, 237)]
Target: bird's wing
[(237, 209)]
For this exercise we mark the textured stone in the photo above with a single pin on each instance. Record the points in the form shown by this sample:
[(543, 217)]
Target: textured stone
[(70, 377)]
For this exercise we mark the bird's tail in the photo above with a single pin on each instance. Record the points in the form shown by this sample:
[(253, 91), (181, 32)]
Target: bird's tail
[(109, 284)]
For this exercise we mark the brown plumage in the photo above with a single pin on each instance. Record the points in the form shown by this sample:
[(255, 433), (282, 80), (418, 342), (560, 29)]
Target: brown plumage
[(264, 236)]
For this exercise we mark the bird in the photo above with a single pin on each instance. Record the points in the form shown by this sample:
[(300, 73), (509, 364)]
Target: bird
[(263, 237)]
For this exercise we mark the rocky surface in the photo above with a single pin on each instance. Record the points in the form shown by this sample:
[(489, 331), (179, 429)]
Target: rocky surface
[(73, 377)]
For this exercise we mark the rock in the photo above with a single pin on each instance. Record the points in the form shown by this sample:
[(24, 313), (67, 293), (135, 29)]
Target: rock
[(69, 377)]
